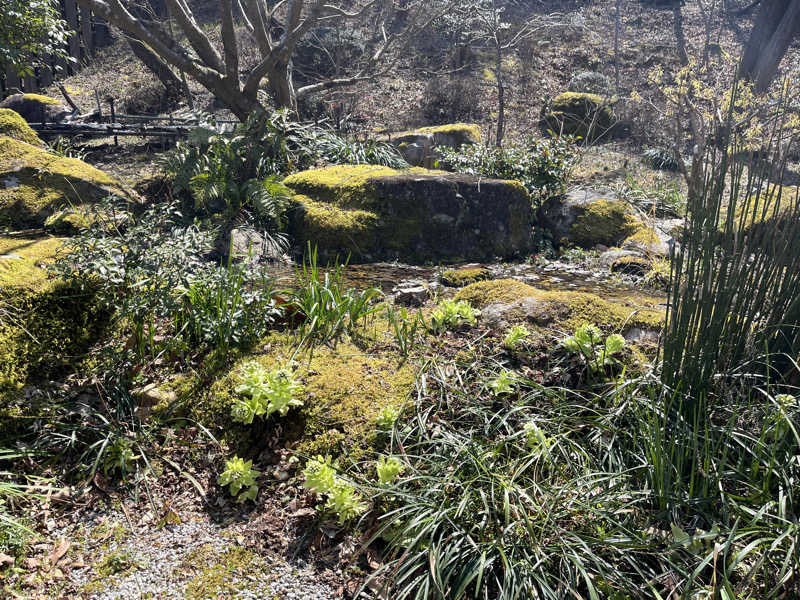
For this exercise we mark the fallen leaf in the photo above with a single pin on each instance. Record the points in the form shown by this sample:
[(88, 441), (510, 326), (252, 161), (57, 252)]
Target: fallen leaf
[(59, 551), (6, 560)]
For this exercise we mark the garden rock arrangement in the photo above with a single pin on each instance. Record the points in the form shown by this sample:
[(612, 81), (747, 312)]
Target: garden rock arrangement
[(414, 215), (35, 108)]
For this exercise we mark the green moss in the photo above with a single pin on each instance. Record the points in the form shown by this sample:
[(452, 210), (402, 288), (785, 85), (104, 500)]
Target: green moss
[(657, 275), (336, 230), (577, 113), (34, 183), (67, 222), (644, 236), (40, 98), (462, 277), (567, 309), (505, 291), (23, 262), (344, 390), (115, 563), (49, 334), (14, 126), (345, 185), (604, 222), (219, 575), (466, 132)]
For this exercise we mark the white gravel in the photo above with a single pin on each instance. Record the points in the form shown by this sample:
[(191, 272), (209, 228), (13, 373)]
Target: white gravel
[(163, 572)]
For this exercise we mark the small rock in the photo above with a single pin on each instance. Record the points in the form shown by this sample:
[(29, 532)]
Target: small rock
[(411, 293)]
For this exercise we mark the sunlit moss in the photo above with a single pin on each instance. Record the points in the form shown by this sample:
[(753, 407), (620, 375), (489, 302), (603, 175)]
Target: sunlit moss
[(14, 126), (606, 222)]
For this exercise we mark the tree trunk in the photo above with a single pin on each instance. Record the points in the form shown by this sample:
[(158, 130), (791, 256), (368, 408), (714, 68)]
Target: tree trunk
[(774, 51), (280, 84), (501, 97), (680, 38), (160, 69), (769, 17)]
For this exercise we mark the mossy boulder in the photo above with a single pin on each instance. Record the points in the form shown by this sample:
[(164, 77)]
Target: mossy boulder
[(465, 276), (344, 391), (415, 215), (35, 183), (647, 241), (586, 219), (563, 310), (14, 126), (35, 108), (46, 326), (766, 215), (635, 265), (419, 146), (589, 116)]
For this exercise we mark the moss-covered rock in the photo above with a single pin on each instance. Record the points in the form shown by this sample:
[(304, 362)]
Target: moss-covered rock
[(35, 108), (344, 391), (46, 326), (35, 183), (638, 266), (419, 146), (647, 241), (14, 126), (462, 277), (565, 310), (577, 113), (417, 215), (605, 222), (766, 214)]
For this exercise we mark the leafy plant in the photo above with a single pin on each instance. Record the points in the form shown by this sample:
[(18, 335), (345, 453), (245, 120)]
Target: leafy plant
[(388, 469), (266, 392), (120, 457), (542, 166), (30, 32), (387, 417), (598, 352), (329, 308), (404, 327), (343, 501), (453, 313), (515, 336), (504, 383), (240, 478), (661, 158)]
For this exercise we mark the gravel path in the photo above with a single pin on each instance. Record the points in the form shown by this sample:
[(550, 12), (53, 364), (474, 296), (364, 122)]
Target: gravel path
[(193, 560)]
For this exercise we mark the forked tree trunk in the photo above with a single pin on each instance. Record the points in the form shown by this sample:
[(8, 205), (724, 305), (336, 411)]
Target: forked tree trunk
[(173, 85), (778, 23)]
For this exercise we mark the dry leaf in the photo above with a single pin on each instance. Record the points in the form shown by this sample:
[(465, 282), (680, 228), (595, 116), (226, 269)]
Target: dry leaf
[(6, 560), (59, 551)]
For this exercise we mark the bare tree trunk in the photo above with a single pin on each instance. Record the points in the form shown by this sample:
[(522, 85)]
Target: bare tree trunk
[(501, 97), (774, 51), (769, 17), (616, 47), (680, 38)]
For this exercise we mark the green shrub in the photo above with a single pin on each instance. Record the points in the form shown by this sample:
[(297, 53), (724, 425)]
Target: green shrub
[(343, 501), (542, 166), (589, 344)]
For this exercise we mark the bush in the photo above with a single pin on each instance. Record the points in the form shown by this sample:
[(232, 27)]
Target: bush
[(450, 101), (591, 82), (661, 158), (542, 166)]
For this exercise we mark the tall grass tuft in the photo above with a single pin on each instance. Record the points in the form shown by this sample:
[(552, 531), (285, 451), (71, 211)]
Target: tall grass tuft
[(735, 279)]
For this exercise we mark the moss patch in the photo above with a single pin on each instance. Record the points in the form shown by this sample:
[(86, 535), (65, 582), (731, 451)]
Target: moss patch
[(14, 126), (347, 186), (34, 183), (459, 133), (23, 262), (338, 230), (40, 98), (566, 309), (344, 390), (220, 575), (462, 277), (604, 222)]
